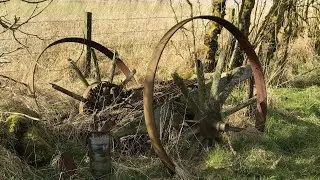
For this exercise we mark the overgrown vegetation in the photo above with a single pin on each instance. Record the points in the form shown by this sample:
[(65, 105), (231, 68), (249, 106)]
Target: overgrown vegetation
[(289, 149), (287, 45)]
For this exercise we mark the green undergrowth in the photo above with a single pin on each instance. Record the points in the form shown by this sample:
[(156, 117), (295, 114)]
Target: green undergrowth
[(290, 148)]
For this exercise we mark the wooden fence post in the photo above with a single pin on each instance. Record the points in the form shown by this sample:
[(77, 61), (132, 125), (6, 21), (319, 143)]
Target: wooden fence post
[(88, 33)]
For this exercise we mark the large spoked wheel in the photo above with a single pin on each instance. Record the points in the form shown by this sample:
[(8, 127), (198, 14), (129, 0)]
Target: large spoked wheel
[(98, 94), (207, 108)]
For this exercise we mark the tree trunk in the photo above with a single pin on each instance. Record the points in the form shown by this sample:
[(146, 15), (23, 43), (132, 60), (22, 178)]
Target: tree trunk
[(286, 40), (231, 40), (276, 15), (211, 38), (246, 9)]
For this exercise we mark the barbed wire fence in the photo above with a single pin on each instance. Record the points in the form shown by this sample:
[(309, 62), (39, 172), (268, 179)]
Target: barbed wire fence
[(78, 25), (134, 37)]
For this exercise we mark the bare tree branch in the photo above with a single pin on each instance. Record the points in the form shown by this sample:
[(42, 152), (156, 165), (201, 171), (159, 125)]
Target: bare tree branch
[(15, 25), (183, 30), (21, 114), (18, 82), (6, 53), (192, 30), (34, 2), (26, 1)]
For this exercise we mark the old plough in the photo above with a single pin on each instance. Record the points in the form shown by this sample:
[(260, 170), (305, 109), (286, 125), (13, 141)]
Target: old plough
[(174, 111)]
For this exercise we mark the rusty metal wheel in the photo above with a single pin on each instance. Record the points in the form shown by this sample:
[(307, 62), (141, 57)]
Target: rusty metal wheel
[(98, 94), (208, 116)]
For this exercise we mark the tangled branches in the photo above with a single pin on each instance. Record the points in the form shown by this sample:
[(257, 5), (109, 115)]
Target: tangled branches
[(13, 26)]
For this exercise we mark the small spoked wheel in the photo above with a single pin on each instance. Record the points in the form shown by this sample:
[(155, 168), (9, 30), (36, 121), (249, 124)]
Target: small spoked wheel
[(98, 94), (205, 104)]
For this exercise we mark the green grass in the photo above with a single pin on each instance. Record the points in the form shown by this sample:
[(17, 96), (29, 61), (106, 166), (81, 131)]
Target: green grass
[(219, 158), (291, 145)]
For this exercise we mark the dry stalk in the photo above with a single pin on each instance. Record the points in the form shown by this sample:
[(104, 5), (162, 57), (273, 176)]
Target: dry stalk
[(21, 114)]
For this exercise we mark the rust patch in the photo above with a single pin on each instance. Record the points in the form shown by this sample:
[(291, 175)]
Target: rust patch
[(67, 164)]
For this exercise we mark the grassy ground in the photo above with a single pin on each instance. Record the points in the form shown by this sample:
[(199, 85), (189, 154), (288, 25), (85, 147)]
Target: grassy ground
[(289, 149), (291, 145)]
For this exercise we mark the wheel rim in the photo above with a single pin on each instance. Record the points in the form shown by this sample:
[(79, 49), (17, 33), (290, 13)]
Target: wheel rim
[(120, 64), (151, 72)]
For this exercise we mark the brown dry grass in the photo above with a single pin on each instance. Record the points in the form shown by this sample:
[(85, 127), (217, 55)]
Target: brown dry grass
[(128, 27), (11, 167)]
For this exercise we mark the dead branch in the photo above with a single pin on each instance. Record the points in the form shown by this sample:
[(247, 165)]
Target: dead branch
[(18, 82), (34, 2), (183, 30), (26, 1), (7, 53), (21, 114), (16, 23)]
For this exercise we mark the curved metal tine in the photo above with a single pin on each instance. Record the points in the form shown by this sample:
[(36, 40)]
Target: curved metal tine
[(128, 79), (96, 66), (79, 73)]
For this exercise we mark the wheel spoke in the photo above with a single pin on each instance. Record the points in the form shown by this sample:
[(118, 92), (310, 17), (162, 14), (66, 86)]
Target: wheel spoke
[(113, 66), (96, 65), (228, 111), (230, 79), (69, 93), (179, 82), (216, 83), (201, 84), (79, 73)]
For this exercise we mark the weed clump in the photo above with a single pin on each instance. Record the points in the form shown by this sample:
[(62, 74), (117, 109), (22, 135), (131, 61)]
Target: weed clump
[(31, 141)]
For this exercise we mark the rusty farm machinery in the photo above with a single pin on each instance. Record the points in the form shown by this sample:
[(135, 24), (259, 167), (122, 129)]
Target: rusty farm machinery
[(174, 111)]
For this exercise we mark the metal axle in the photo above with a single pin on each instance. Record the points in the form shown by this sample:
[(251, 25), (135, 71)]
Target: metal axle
[(220, 126)]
